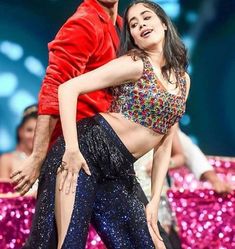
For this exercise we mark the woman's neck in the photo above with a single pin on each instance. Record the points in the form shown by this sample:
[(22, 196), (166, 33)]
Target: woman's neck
[(157, 58), (156, 54)]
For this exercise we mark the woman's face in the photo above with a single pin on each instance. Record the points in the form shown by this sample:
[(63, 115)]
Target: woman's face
[(146, 28), (26, 133)]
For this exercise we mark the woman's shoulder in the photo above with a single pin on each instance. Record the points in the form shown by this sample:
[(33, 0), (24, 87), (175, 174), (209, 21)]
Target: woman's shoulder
[(133, 66), (184, 77), (187, 77), (187, 81)]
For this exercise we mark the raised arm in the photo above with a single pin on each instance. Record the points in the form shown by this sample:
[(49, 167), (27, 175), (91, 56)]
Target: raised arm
[(113, 73)]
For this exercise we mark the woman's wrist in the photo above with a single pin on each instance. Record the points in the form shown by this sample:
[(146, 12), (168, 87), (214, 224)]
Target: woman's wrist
[(155, 200), (72, 148)]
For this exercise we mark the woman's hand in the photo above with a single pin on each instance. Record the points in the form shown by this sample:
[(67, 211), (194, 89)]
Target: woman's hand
[(72, 162), (152, 217)]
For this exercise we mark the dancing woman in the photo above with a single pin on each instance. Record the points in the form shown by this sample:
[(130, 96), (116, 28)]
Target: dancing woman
[(150, 87)]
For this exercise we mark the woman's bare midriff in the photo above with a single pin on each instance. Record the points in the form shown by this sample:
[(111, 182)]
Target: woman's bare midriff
[(137, 138)]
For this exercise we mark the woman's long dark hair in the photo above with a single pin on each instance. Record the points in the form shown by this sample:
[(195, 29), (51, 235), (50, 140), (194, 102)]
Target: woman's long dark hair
[(174, 51)]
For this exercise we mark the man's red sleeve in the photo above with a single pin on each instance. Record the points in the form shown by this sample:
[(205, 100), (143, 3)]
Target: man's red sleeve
[(68, 55)]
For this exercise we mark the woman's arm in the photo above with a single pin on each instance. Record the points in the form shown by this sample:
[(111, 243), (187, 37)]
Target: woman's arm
[(113, 73), (161, 160), (177, 155), (188, 83), (162, 154), (217, 184)]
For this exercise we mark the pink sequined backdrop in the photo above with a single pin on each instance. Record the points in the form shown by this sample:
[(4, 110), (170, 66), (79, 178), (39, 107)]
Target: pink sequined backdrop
[(205, 219)]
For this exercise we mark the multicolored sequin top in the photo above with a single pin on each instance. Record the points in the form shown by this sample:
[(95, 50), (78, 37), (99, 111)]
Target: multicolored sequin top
[(148, 103)]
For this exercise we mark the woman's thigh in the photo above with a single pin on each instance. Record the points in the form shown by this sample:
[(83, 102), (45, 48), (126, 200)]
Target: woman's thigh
[(73, 212), (119, 217)]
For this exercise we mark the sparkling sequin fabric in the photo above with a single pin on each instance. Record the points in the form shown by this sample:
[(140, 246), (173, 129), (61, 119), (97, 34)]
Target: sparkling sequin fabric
[(93, 240), (146, 102), (15, 220), (108, 198), (206, 220)]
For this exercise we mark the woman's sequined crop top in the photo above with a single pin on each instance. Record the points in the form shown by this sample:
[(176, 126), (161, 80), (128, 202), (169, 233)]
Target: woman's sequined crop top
[(146, 101)]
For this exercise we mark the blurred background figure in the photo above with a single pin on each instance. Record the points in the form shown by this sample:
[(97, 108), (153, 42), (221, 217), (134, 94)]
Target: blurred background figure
[(24, 136), (207, 28), (17, 211), (184, 153)]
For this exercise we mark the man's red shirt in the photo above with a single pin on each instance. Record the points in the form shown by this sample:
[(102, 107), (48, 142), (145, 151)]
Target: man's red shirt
[(86, 41)]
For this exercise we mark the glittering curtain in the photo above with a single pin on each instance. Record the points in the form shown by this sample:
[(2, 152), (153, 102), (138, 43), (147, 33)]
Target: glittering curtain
[(16, 215), (205, 219)]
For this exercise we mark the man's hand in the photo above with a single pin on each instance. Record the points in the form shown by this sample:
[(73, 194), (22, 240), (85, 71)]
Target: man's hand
[(29, 171), (218, 185), (221, 187), (26, 175)]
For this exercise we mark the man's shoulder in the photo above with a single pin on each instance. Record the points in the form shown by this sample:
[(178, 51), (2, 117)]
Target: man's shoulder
[(85, 19), (85, 13)]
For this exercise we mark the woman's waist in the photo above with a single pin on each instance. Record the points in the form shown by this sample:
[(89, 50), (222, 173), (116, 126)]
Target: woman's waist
[(137, 138)]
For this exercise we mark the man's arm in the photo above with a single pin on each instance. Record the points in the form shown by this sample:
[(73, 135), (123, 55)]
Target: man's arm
[(195, 159), (177, 155), (44, 129), (199, 165), (73, 45), (29, 171), (218, 185), (69, 54)]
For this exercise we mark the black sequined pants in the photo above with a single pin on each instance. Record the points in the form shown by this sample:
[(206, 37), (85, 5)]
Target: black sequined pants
[(109, 198)]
